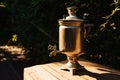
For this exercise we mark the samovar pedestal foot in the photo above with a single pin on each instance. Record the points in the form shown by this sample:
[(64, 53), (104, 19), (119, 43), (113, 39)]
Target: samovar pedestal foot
[(73, 68)]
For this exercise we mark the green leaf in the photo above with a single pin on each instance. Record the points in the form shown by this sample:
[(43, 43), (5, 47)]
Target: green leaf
[(2, 4), (14, 37)]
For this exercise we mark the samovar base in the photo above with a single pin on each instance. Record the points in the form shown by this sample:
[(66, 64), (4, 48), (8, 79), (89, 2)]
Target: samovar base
[(73, 68)]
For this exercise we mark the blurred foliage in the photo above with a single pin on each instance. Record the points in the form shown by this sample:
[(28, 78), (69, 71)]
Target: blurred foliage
[(2, 4), (104, 44), (36, 24)]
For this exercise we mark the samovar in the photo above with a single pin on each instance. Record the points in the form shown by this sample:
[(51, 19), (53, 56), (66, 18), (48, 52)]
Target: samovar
[(71, 40)]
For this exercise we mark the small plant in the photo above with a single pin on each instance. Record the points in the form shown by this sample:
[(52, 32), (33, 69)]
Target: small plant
[(109, 17), (13, 40), (2, 4)]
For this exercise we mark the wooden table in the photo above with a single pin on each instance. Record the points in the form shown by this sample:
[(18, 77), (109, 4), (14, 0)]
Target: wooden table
[(51, 71)]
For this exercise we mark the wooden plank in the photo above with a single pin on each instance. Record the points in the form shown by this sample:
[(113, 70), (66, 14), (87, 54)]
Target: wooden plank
[(66, 74), (81, 74), (98, 68), (96, 71), (52, 71), (27, 76), (100, 72), (38, 73)]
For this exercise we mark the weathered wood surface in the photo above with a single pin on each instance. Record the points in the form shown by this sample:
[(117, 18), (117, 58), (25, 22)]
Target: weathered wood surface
[(51, 71)]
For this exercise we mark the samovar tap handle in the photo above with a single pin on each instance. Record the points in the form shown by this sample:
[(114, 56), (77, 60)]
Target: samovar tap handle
[(55, 51)]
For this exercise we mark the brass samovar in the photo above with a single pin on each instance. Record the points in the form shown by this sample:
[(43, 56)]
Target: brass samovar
[(71, 37)]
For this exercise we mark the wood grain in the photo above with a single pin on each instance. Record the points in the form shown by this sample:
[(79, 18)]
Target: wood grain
[(51, 71)]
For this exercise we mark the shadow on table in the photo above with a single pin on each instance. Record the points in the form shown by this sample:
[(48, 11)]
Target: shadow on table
[(107, 75)]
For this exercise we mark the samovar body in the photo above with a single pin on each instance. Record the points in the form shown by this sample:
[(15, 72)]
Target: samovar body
[(71, 37)]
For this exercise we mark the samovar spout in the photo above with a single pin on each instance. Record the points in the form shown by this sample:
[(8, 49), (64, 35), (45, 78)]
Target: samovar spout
[(54, 50)]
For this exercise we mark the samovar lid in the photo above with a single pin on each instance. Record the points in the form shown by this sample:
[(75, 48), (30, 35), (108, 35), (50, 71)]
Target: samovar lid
[(72, 19)]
